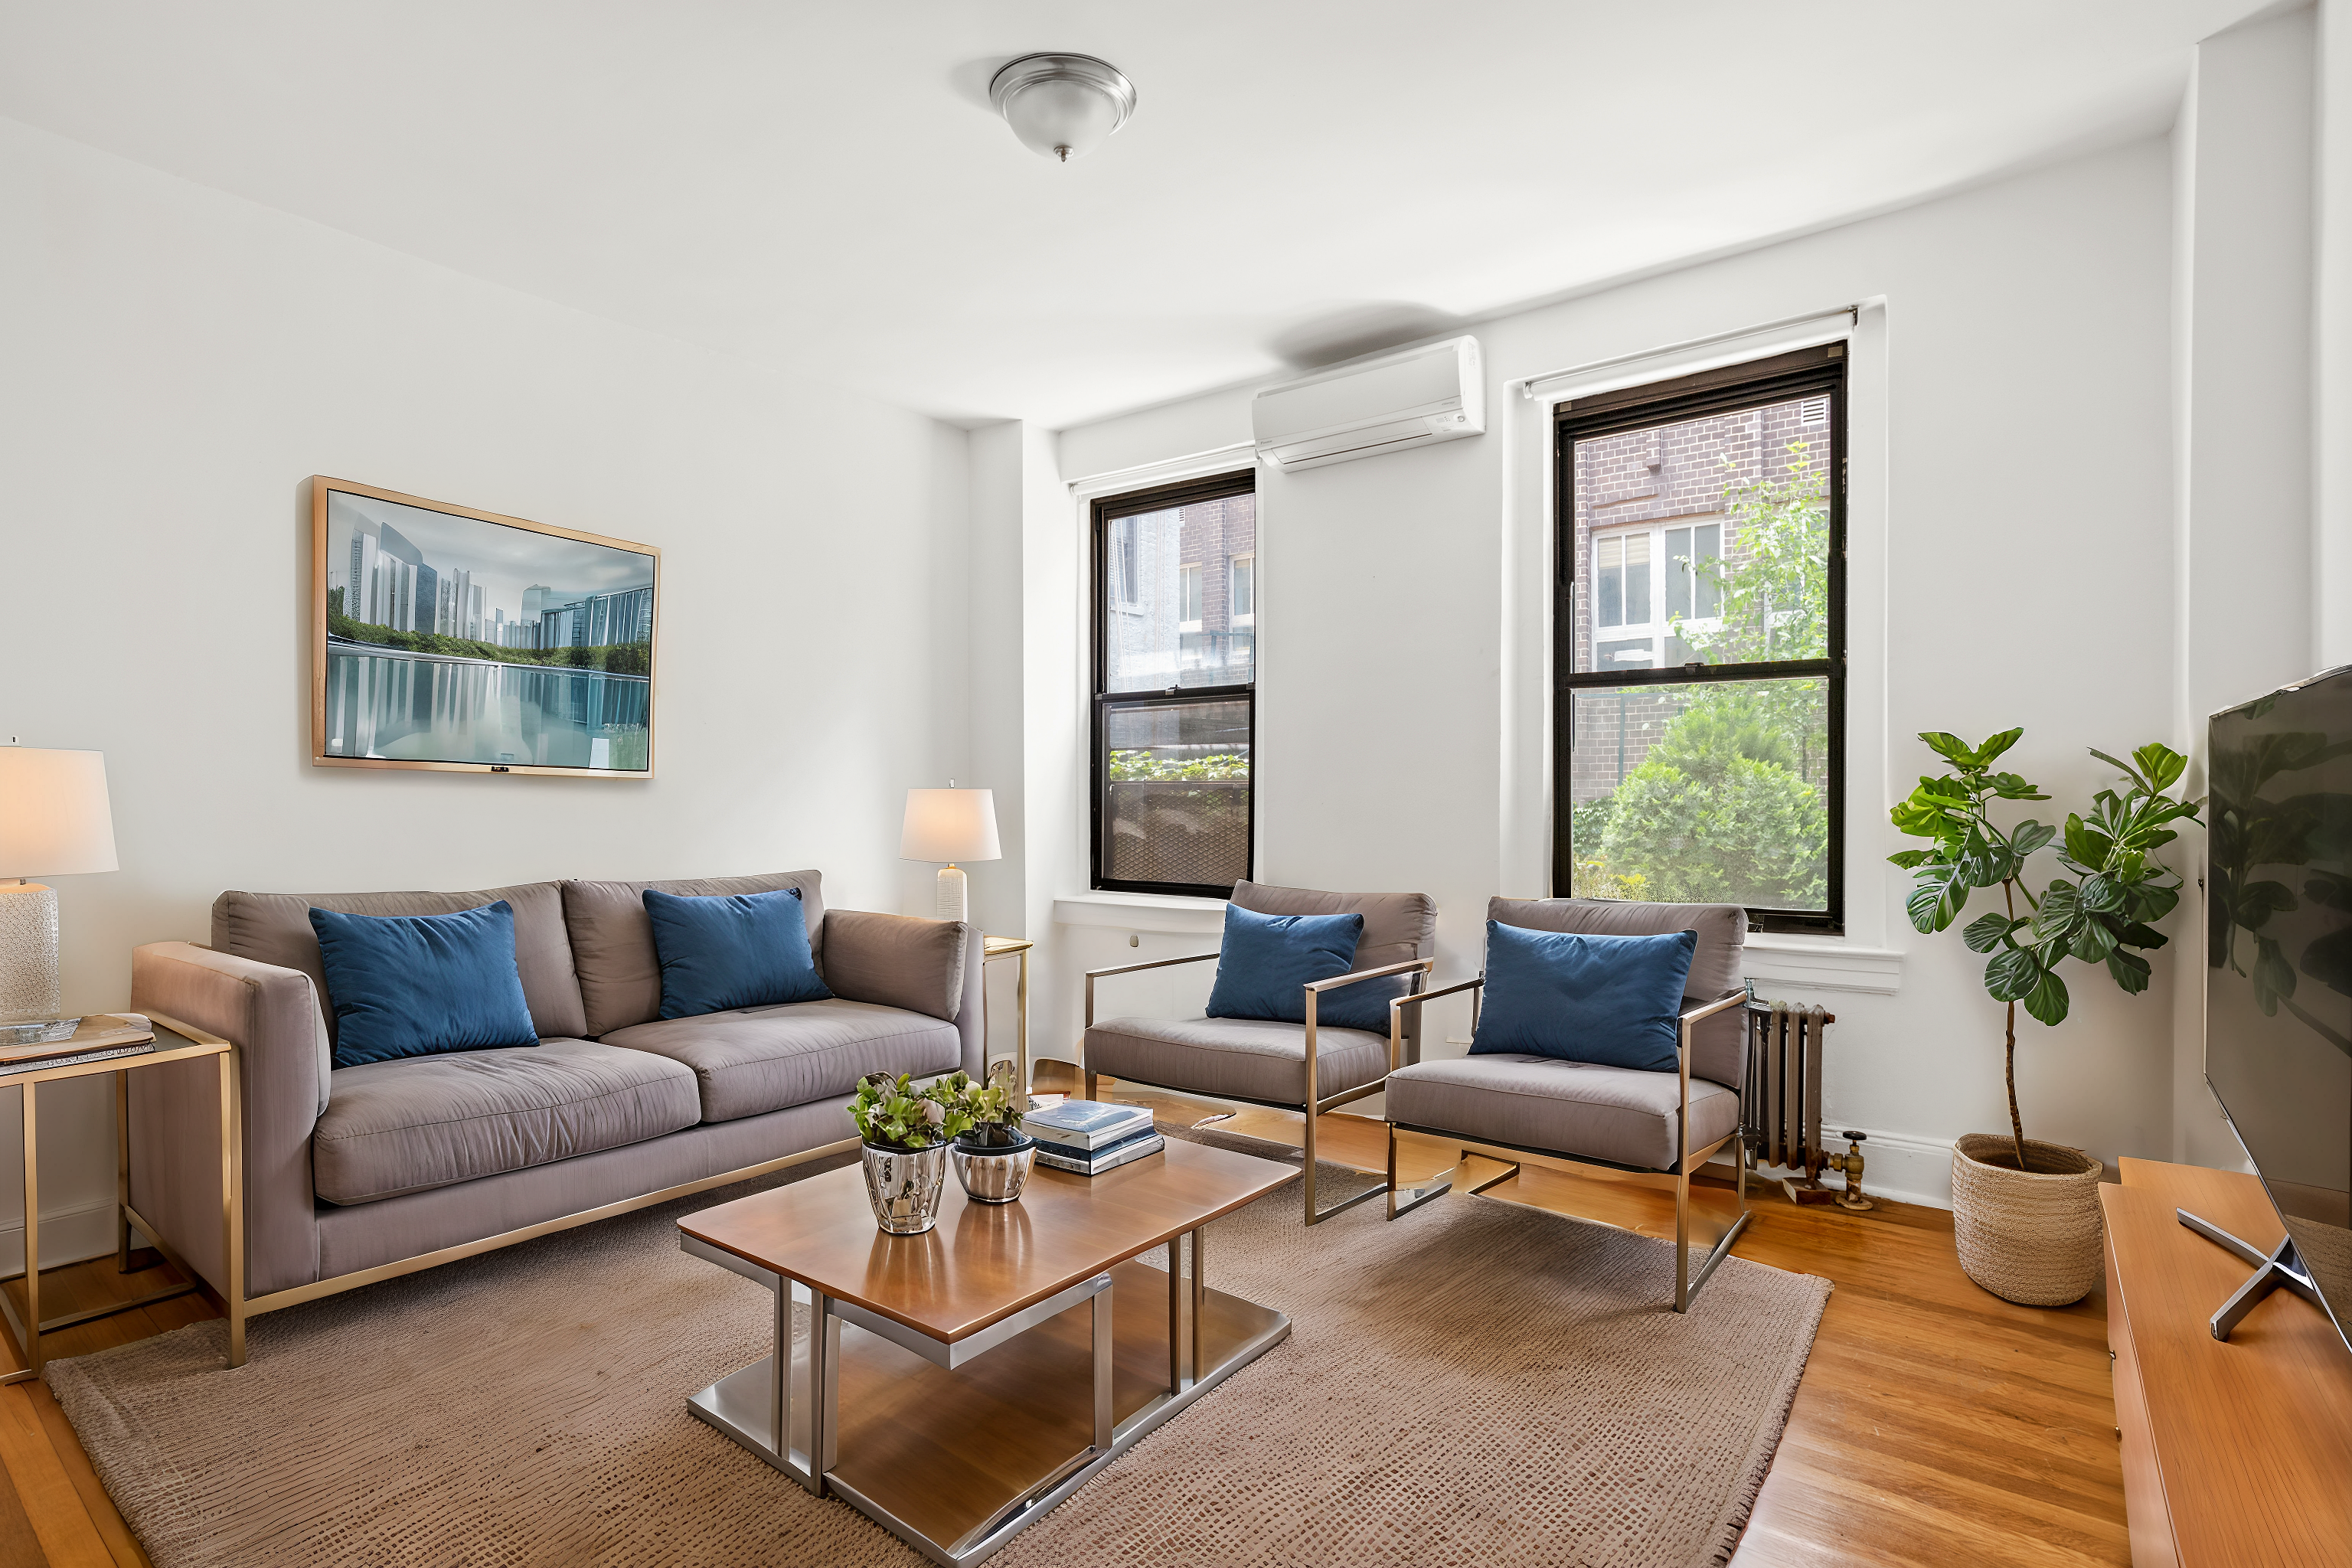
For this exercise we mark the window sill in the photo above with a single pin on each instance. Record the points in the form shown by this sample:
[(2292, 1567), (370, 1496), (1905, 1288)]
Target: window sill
[(1142, 912), (1822, 965)]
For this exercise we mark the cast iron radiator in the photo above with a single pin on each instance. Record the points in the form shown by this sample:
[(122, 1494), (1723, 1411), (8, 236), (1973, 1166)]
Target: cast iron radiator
[(1781, 1101)]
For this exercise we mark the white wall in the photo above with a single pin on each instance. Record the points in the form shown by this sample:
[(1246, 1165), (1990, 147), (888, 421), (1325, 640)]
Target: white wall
[(178, 361), (2011, 498)]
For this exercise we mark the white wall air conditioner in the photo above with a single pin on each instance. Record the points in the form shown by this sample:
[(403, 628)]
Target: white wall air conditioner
[(1410, 398)]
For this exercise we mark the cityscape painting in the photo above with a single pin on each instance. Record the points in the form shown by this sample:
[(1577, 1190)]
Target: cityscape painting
[(460, 640)]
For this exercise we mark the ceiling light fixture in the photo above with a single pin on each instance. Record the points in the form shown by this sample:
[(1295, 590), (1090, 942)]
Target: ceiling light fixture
[(1062, 105)]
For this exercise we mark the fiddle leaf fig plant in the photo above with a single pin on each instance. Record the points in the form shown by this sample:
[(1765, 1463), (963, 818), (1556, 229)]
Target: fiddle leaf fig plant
[(2103, 910)]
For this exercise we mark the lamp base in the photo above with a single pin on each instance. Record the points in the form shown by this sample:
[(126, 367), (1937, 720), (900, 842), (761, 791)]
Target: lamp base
[(954, 904), (28, 953)]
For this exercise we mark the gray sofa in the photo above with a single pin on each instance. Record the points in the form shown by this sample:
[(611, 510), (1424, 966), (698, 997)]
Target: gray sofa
[(357, 1173)]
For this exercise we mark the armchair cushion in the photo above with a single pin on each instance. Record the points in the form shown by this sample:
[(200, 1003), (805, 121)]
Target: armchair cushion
[(1398, 927), (1235, 1058), (1575, 1109), (1267, 961), (1718, 1044), (1610, 1000)]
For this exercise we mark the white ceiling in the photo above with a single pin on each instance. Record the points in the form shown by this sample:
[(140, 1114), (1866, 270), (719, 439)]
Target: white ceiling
[(822, 185)]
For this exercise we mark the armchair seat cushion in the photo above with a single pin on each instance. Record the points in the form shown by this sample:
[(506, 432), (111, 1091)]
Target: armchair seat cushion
[(1617, 1114), (758, 1060), (406, 1124), (1235, 1058)]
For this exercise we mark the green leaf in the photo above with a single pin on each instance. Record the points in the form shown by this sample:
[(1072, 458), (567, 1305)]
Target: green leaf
[(2009, 787), (1987, 931), (2160, 763), (2102, 894), (2086, 842), (1907, 858), (2047, 1001), (2130, 970), (1950, 747), (1994, 746), (2029, 836), (1942, 892), (2139, 934), (2152, 903), (2012, 974), (2093, 941), (2119, 765), (1918, 818)]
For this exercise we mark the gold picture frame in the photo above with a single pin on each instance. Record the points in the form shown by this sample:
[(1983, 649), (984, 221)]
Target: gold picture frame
[(480, 656)]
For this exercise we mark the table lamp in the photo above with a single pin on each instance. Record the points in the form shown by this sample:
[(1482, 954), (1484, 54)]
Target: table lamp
[(951, 825), (54, 822)]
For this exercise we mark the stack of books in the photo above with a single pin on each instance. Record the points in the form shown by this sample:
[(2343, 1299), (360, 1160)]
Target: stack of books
[(1088, 1137), (67, 1042)]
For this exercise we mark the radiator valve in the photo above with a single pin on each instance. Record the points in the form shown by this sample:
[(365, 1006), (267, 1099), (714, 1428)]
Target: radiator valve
[(1850, 1163)]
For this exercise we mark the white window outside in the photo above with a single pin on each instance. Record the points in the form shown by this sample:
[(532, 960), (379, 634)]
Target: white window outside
[(1188, 597), (1244, 590), (1645, 581)]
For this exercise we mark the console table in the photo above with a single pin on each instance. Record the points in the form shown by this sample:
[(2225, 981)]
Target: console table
[(2233, 1453)]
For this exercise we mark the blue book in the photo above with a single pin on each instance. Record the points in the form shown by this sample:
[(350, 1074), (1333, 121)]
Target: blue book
[(1125, 1152), (1098, 1152), (1086, 1123)]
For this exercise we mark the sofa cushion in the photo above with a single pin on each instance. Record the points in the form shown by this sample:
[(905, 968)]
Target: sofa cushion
[(613, 939), (275, 928), (1265, 962), (1718, 1044), (402, 1126), (899, 961), (1615, 1114), (416, 986), (764, 1059), (731, 950), (1235, 1058)]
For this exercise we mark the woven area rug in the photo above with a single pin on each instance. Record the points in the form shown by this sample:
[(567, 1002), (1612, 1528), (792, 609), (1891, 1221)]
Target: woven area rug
[(1475, 1384)]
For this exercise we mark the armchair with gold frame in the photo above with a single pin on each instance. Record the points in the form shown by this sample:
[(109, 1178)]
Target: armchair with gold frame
[(1311, 1067), (1520, 1109)]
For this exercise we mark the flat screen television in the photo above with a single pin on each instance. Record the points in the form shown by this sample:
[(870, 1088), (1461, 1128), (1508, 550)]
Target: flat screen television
[(2278, 991)]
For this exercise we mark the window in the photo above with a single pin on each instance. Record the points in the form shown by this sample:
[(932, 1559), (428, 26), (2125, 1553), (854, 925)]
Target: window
[(1699, 631), (1175, 705)]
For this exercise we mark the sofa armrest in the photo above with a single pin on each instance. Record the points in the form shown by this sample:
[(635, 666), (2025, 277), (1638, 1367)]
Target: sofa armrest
[(931, 967), (272, 1016)]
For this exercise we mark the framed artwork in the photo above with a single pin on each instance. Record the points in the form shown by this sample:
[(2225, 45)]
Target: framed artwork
[(447, 638)]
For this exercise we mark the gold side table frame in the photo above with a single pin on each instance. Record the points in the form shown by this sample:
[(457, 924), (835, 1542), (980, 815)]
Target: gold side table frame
[(174, 1043), (995, 947)]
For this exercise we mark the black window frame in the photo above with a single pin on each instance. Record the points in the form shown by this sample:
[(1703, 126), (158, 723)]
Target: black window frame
[(1129, 503), (1781, 378)]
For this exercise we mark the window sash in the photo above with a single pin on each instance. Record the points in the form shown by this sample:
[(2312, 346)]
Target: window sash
[(1109, 584), (1809, 376)]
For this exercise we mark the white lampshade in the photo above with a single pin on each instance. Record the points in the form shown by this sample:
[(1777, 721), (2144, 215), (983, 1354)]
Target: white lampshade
[(54, 817), (951, 825)]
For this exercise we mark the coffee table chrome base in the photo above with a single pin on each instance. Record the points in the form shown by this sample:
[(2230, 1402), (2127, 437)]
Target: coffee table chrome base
[(748, 1406)]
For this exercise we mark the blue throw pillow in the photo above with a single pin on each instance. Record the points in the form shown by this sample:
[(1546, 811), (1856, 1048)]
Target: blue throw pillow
[(1266, 961), (739, 949), (1613, 1001), (415, 985)]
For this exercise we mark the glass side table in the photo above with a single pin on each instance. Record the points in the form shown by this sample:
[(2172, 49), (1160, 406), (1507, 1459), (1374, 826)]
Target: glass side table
[(995, 947), (174, 1042)]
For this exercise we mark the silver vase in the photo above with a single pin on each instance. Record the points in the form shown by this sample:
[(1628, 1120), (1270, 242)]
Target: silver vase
[(993, 1175), (903, 1186)]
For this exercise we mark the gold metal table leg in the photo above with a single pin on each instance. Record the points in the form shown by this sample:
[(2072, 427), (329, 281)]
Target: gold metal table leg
[(1176, 1315), (1200, 1303), (1020, 1023), (30, 1329)]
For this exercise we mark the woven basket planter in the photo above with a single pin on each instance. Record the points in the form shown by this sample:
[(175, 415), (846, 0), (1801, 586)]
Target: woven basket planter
[(2027, 1236)]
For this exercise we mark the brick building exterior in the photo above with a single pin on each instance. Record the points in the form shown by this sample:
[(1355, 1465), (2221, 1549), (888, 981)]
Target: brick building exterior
[(1657, 492)]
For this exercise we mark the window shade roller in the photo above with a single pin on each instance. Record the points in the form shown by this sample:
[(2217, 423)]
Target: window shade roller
[(1697, 354)]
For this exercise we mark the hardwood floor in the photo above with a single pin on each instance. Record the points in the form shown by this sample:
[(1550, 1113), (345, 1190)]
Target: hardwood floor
[(1937, 1426)]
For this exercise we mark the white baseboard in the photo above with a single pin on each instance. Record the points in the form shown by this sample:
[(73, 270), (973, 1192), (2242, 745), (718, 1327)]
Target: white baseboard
[(67, 1236), (1894, 1166)]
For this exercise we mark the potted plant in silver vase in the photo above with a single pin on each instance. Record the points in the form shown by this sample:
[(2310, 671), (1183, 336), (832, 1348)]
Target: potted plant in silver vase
[(2025, 1213), (991, 1154), (906, 1132)]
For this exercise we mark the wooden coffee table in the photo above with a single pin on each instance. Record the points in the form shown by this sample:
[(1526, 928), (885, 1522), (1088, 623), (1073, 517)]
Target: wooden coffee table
[(957, 1385)]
